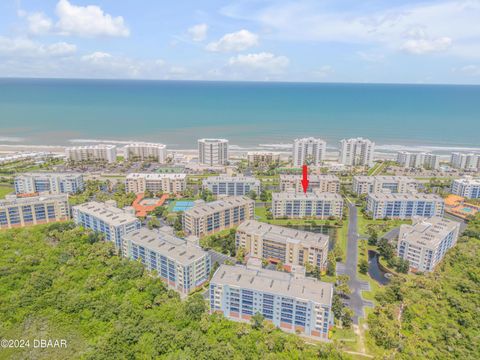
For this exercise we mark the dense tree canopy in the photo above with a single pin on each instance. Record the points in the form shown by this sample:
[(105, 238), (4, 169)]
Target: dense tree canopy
[(60, 282)]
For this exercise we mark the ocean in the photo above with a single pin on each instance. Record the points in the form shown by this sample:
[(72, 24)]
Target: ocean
[(251, 115)]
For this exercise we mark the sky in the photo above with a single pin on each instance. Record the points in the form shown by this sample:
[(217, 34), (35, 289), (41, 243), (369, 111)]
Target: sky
[(372, 41)]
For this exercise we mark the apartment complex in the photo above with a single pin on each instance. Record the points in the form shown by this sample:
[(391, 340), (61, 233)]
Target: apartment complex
[(425, 242), (298, 205), (106, 218), (101, 152), (277, 243), (52, 183), (463, 161), (292, 303), (154, 182), (145, 151), (394, 184), (262, 158), (404, 205), (181, 265), (356, 152), (231, 185), (309, 151), (468, 187), (208, 218), (33, 210), (321, 183), (418, 160), (212, 152)]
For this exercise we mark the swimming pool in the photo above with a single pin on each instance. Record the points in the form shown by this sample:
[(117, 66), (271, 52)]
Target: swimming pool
[(182, 205)]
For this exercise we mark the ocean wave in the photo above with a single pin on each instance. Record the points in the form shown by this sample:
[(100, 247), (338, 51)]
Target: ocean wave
[(11, 139), (424, 148), (103, 141), (276, 146)]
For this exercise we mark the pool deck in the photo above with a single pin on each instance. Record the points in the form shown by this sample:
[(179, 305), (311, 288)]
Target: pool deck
[(143, 210)]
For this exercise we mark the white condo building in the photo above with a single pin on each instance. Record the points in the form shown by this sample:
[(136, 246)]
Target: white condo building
[(425, 242), (146, 151), (321, 183), (212, 152), (101, 152), (468, 187), (418, 160), (404, 206), (463, 161), (310, 151), (52, 183), (392, 184), (168, 183), (298, 205), (183, 266), (357, 152), (107, 219), (231, 185)]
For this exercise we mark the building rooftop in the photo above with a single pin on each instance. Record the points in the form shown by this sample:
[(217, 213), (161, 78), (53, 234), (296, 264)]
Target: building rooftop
[(213, 140), (156, 176), (427, 232), (311, 178), (24, 200), (219, 205), (468, 180), (226, 178), (274, 282), (380, 196), (49, 175), (166, 244), (107, 213), (86, 147), (140, 144), (282, 234), (287, 195), (384, 178)]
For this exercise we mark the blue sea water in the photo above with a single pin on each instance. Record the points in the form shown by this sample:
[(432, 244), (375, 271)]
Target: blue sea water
[(41, 111)]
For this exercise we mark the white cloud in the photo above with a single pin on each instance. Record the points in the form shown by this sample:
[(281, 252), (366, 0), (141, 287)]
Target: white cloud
[(237, 41), (88, 21), (472, 70), (38, 23), (263, 61), (323, 72), (424, 46), (96, 57), (198, 32), (23, 47)]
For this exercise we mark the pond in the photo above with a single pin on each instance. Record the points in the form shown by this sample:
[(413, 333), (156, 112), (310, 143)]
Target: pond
[(322, 229), (374, 269)]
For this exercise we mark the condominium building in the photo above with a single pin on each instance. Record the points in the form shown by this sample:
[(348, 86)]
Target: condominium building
[(292, 303), (309, 151), (425, 242), (298, 205), (404, 206), (52, 183), (146, 151), (393, 184), (418, 160), (212, 152), (101, 152), (277, 243), (262, 158), (208, 218), (231, 185), (106, 218), (468, 187), (321, 183), (33, 210), (357, 151), (154, 182), (181, 265), (465, 161)]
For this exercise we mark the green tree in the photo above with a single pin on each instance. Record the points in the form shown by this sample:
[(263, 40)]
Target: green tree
[(257, 320), (252, 194), (363, 266)]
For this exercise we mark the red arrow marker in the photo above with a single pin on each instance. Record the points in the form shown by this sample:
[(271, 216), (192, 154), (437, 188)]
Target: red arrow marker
[(305, 178)]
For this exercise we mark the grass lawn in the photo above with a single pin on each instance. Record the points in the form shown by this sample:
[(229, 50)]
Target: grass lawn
[(383, 226), (5, 190), (342, 239)]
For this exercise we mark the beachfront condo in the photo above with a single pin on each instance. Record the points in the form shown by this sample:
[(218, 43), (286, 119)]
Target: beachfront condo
[(209, 218), (108, 219), (299, 205), (145, 152), (356, 152), (289, 301), (231, 185), (101, 152), (463, 161), (322, 183), (393, 184), (425, 242), (212, 152), (310, 151), (33, 210), (418, 160), (183, 266), (468, 187), (262, 158), (404, 205), (154, 182), (280, 244), (51, 183)]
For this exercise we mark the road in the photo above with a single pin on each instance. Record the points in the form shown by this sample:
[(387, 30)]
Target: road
[(355, 301)]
